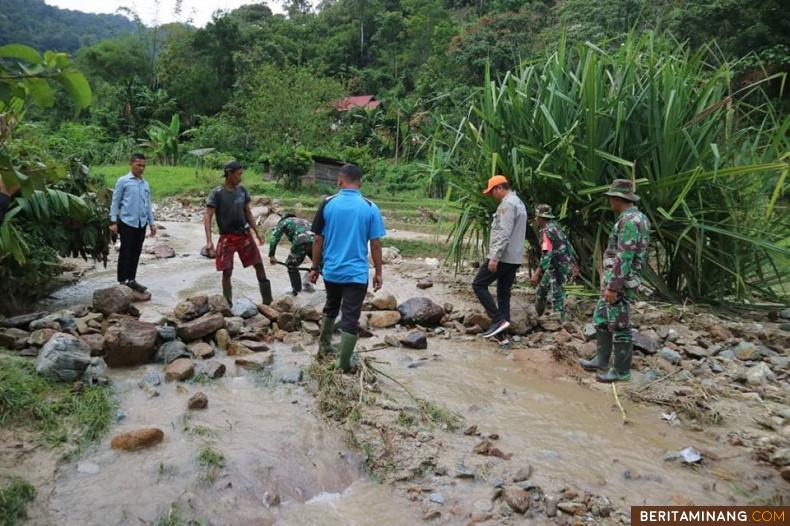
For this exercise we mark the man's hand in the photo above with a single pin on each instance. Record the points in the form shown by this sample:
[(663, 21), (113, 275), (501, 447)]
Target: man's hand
[(313, 277), (492, 264), (609, 296), (273, 260), (535, 279), (153, 230), (378, 281), (114, 228)]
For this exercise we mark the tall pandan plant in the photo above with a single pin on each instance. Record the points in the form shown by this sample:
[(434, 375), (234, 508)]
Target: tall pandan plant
[(710, 162)]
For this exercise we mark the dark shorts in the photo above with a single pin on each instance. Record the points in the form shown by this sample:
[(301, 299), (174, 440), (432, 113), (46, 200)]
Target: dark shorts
[(243, 244)]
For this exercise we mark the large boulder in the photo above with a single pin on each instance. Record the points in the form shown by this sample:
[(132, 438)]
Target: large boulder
[(192, 308), (201, 327), (421, 311), (383, 319), (218, 303), (523, 318), (130, 342), (172, 351), (180, 369), (112, 300), (23, 321), (244, 308), (64, 358), (477, 318)]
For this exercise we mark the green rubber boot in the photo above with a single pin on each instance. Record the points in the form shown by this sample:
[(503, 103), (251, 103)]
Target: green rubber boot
[(266, 291), (621, 372), (347, 344), (603, 349), (325, 337), (540, 306), (227, 293)]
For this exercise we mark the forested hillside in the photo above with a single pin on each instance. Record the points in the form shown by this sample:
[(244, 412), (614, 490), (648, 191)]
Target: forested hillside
[(44, 27)]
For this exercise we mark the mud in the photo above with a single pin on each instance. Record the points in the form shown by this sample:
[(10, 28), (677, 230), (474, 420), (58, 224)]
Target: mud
[(382, 467)]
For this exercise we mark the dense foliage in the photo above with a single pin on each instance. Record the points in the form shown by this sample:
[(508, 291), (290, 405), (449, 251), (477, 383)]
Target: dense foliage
[(709, 162)]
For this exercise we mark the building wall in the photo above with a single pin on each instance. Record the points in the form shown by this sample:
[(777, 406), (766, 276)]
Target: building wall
[(321, 173)]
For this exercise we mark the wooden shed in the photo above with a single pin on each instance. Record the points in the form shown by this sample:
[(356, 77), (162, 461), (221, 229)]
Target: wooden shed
[(323, 171)]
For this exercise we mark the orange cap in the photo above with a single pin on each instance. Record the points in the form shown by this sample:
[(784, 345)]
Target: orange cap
[(494, 182)]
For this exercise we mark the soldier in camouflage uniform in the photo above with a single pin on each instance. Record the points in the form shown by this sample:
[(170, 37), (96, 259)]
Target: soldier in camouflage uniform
[(623, 259), (298, 233), (557, 263)]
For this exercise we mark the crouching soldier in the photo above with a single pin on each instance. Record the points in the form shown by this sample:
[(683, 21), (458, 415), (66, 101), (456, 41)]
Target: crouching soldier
[(622, 266), (298, 233), (557, 263)]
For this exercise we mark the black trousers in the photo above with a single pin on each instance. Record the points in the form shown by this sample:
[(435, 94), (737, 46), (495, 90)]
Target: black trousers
[(131, 245), (504, 276), (346, 298)]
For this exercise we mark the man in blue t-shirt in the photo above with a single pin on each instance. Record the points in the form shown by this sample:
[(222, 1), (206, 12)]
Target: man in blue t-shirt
[(343, 226)]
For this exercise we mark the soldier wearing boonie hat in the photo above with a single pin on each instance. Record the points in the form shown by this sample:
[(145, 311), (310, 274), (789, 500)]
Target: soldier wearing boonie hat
[(623, 259), (557, 262)]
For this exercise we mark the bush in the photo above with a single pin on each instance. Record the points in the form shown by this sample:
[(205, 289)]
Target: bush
[(87, 142), (288, 165)]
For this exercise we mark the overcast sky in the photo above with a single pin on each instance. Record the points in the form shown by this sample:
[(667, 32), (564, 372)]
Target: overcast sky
[(198, 12)]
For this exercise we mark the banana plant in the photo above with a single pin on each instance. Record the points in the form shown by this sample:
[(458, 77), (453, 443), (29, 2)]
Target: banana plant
[(163, 140)]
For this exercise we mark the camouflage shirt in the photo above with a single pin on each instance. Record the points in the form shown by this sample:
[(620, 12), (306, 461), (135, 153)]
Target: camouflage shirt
[(627, 251), (295, 229), (556, 248)]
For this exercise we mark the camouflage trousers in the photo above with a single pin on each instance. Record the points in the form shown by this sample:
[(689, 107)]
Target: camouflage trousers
[(553, 280), (615, 318), (297, 255)]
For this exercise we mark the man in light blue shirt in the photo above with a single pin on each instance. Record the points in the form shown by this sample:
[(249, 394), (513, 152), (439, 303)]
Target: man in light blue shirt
[(130, 213), (343, 226)]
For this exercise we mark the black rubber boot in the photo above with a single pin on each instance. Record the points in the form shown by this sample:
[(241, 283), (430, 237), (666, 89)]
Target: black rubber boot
[(296, 281), (227, 293), (621, 372), (325, 337), (603, 350), (540, 306), (346, 350), (266, 291)]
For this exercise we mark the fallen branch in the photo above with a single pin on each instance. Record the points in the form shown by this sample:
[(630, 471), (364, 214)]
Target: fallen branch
[(617, 399)]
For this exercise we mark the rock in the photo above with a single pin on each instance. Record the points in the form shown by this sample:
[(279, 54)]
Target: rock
[(572, 507), (421, 311), (244, 308), (781, 457), (29, 352), (462, 471), (668, 334), (589, 331), (41, 336), (311, 328), (383, 319), (138, 439), (644, 343), (201, 350), (293, 375), (112, 300), (669, 355), (222, 337), (437, 498), (96, 373), (390, 255), (415, 340), (64, 358), (235, 325), (214, 369), (270, 312), (308, 313), (695, 351), (95, 342), (759, 374), (477, 318), (287, 322), (135, 312), (166, 333), (172, 351), (516, 498), (138, 297), (384, 301), (283, 304), (237, 349), (198, 400), (523, 318), (719, 333), (785, 314), (432, 262), (785, 472), (23, 321), (255, 345), (201, 327), (218, 303), (727, 354), (551, 507), (448, 308), (524, 473), (130, 342), (161, 251), (192, 308), (258, 322), (14, 338), (152, 378), (746, 351), (52, 322), (255, 361), (425, 283), (180, 369)]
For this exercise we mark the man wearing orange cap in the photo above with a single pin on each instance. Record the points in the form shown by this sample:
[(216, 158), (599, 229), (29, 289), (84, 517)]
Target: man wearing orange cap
[(505, 255)]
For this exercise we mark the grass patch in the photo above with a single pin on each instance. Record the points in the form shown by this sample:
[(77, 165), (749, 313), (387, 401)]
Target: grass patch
[(440, 416), (200, 379), (212, 461), (15, 495), (61, 413), (414, 248), (173, 517)]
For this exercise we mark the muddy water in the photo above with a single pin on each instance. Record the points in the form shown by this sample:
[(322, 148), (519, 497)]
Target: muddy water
[(273, 441)]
